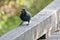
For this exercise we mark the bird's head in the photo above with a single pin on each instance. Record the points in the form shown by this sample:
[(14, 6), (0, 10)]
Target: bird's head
[(24, 11)]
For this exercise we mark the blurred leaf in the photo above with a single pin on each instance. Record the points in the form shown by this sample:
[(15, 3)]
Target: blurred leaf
[(21, 2)]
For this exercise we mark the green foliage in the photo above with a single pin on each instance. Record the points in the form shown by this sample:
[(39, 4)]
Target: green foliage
[(10, 24), (37, 5)]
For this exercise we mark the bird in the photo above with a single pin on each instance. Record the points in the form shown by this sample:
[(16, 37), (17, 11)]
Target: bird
[(25, 16)]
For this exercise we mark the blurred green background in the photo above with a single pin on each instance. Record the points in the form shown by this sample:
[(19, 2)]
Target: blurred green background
[(9, 23)]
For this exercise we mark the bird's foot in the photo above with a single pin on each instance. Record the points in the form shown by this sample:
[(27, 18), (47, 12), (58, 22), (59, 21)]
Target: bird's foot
[(27, 24)]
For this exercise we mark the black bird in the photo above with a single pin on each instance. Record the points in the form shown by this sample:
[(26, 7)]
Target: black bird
[(25, 16)]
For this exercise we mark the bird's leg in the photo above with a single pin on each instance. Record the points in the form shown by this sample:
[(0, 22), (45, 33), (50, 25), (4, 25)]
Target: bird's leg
[(28, 22)]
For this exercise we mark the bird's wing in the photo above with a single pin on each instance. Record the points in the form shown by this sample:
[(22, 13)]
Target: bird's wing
[(28, 13)]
